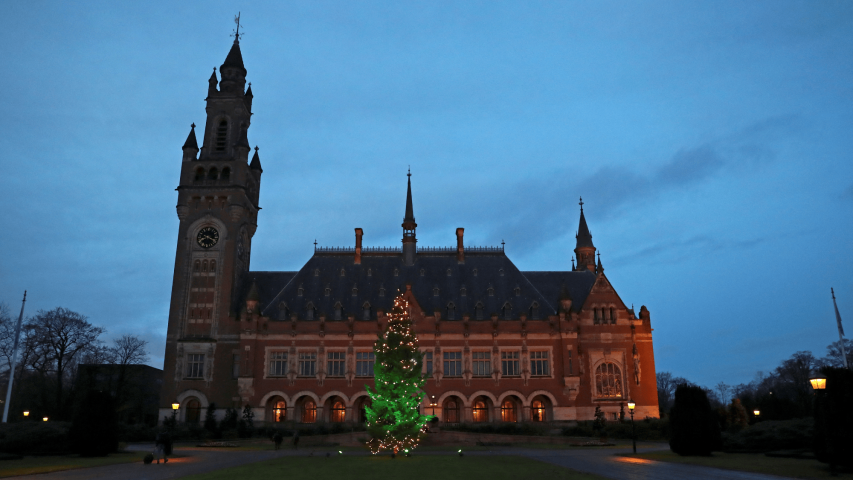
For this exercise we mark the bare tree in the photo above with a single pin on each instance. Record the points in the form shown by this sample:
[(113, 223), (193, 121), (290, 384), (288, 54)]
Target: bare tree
[(129, 350), (833, 354), (723, 392), (63, 335)]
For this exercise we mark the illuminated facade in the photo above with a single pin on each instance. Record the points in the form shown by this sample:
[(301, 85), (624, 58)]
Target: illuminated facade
[(500, 344)]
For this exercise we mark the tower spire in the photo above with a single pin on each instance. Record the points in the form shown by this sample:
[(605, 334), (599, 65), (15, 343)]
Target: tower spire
[(409, 226), (584, 249)]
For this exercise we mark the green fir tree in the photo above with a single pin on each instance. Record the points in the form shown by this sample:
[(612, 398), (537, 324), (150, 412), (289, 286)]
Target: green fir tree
[(393, 420)]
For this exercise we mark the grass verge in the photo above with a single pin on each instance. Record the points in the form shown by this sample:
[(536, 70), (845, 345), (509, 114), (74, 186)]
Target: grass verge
[(751, 462), (364, 468), (33, 465)]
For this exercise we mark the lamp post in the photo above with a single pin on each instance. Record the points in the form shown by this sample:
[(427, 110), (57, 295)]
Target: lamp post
[(631, 406), (44, 419), (432, 404), (175, 407), (819, 385), (26, 413), (756, 413)]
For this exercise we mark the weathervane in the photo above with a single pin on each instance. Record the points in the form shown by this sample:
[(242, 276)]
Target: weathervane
[(581, 203), (237, 33)]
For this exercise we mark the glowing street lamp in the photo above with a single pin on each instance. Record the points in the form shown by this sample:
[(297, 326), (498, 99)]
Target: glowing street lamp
[(818, 383), (433, 405), (26, 413), (631, 406), (44, 419)]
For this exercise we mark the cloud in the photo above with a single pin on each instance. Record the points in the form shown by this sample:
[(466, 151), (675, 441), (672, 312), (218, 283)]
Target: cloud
[(690, 165)]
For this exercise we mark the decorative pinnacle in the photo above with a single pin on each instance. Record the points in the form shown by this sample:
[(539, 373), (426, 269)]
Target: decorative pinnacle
[(192, 125), (581, 203), (256, 148)]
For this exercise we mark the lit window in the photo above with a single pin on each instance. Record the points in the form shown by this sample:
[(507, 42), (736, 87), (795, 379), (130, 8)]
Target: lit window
[(481, 413), (608, 380), (452, 364), (451, 411), (278, 364), (537, 411), (509, 363), (307, 364), (195, 365), (364, 364), (482, 363), (336, 364), (309, 411), (339, 412), (539, 364), (508, 413), (279, 411)]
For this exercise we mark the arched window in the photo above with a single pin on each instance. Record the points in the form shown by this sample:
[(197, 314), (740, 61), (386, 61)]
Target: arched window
[(339, 412), (451, 311), (213, 174), (608, 380), (508, 411), (451, 412), (197, 266), (491, 291), (193, 411), (478, 311), (365, 311), (226, 174), (435, 291), (199, 175), (613, 316), (534, 311), (279, 411), (481, 413), (221, 136), (507, 311), (309, 411), (537, 411)]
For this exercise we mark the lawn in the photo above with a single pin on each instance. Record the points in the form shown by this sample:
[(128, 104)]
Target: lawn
[(369, 467), (751, 462), (33, 465)]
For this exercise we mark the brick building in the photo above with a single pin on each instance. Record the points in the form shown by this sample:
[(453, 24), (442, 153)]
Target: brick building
[(500, 344)]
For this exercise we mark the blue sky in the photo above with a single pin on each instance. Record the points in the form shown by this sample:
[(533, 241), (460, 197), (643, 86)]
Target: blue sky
[(710, 140)]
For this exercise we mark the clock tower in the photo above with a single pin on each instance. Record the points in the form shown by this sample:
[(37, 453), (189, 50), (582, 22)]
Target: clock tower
[(218, 211)]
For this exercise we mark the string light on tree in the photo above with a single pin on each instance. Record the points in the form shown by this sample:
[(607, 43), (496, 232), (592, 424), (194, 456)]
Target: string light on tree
[(393, 420)]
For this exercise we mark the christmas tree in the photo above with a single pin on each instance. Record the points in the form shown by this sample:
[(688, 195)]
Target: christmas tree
[(393, 419)]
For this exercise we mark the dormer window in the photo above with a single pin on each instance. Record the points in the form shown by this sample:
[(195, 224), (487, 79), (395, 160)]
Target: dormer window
[(435, 291), (343, 273), (449, 272), (506, 311), (451, 311), (328, 291), (491, 291), (365, 311), (423, 272), (309, 312), (282, 311), (501, 272), (396, 272), (221, 136), (301, 291), (339, 312), (475, 272), (463, 291), (381, 291), (517, 291), (369, 272), (354, 290), (478, 311), (316, 272), (534, 311)]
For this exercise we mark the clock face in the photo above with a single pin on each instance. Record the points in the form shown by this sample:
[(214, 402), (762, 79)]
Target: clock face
[(207, 237)]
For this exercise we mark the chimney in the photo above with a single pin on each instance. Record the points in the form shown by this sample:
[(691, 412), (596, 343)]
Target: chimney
[(460, 249), (358, 233)]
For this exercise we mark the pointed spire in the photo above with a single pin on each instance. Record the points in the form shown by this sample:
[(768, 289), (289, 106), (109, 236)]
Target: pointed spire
[(410, 215), (253, 292), (212, 82), (584, 238), (234, 58), (191, 140), (600, 267), (256, 161), (249, 92)]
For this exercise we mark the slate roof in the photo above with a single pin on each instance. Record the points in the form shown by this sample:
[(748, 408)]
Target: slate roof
[(234, 58), (583, 236), (489, 278)]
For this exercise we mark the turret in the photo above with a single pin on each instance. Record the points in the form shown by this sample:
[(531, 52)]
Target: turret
[(191, 145)]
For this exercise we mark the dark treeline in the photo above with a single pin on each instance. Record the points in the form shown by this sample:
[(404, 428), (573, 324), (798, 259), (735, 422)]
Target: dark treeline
[(52, 346), (781, 394)]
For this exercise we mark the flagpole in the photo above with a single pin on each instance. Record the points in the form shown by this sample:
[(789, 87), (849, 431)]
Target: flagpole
[(14, 360), (840, 330)]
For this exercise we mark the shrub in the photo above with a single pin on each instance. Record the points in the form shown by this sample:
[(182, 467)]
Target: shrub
[(736, 418), (695, 429), (649, 429), (137, 432), (35, 437), (771, 435), (210, 421), (94, 431), (833, 440)]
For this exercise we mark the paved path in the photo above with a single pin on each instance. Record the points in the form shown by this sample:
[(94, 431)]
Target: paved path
[(604, 462)]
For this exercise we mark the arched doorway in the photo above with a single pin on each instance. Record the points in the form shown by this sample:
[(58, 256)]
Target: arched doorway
[(277, 409), (193, 414), (451, 410)]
